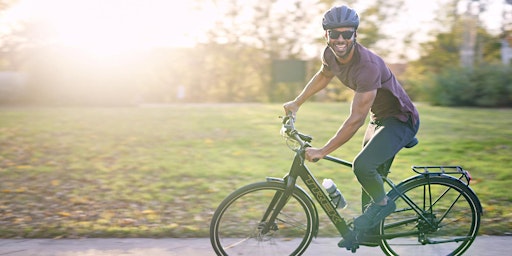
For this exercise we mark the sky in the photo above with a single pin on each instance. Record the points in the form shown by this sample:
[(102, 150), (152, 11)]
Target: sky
[(110, 26), (114, 26)]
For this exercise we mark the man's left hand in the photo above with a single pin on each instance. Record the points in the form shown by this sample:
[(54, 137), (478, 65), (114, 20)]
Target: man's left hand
[(314, 154)]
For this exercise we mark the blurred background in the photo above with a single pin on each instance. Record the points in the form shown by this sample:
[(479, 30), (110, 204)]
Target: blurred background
[(129, 52)]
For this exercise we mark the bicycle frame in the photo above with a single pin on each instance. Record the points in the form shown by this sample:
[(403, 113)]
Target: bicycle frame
[(300, 170)]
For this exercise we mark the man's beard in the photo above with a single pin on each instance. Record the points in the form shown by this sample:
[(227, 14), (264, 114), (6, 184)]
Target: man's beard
[(346, 52)]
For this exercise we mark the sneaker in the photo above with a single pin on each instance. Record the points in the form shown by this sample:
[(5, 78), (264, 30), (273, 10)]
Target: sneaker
[(373, 215)]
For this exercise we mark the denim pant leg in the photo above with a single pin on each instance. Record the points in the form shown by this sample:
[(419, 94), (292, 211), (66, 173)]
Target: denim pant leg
[(387, 139)]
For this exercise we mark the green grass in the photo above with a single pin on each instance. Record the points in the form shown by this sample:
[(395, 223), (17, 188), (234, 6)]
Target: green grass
[(161, 172)]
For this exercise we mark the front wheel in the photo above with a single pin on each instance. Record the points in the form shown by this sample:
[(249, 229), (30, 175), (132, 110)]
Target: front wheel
[(451, 218), (237, 224)]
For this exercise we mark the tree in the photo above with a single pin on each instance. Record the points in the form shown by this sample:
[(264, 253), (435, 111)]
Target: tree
[(249, 36), (13, 35), (373, 19), (440, 77)]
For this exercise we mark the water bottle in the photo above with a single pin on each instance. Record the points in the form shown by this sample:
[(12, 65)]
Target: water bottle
[(334, 193)]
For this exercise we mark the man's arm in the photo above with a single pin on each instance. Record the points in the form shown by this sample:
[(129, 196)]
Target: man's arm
[(319, 81), (359, 110)]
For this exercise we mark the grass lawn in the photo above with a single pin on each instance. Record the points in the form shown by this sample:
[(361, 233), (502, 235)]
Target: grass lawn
[(162, 171)]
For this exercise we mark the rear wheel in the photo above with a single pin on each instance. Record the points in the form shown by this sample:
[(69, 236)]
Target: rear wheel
[(237, 224), (452, 219)]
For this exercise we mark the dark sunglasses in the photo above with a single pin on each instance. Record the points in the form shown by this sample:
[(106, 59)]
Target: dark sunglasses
[(334, 34)]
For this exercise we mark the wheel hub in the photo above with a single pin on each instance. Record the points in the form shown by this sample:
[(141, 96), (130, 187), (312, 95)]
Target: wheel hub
[(426, 228)]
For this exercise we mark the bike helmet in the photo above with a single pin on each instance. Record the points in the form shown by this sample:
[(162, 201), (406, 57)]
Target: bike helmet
[(340, 16)]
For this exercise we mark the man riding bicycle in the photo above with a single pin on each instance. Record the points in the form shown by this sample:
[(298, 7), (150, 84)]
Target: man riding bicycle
[(394, 119)]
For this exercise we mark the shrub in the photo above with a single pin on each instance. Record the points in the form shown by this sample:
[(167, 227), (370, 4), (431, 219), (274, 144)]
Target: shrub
[(485, 86)]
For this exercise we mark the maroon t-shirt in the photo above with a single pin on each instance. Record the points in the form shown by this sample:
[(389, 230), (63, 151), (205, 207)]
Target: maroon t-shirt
[(367, 71)]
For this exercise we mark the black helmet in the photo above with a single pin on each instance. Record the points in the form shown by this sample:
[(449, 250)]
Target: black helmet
[(340, 16)]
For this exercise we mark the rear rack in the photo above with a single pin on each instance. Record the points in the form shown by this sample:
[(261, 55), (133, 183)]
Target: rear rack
[(444, 170)]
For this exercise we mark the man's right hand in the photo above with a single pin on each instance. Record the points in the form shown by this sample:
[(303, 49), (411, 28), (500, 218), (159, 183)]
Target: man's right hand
[(291, 107)]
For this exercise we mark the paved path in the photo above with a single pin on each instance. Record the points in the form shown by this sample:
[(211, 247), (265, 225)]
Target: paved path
[(483, 245)]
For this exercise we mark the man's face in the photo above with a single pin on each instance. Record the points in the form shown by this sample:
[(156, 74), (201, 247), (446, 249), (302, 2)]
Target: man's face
[(341, 40)]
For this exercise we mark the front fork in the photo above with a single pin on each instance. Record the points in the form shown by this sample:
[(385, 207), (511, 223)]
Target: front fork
[(276, 205)]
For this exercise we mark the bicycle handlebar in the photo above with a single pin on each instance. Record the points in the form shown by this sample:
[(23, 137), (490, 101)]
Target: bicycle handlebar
[(289, 129), (304, 140)]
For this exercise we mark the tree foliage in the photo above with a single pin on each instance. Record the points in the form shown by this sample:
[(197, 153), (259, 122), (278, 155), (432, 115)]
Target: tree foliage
[(439, 77), (373, 19), (13, 36), (240, 48)]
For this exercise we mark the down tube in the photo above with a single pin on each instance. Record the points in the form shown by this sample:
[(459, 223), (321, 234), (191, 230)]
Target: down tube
[(323, 200)]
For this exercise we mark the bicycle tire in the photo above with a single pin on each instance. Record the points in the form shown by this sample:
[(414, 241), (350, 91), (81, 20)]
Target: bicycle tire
[(234, 226), (456, 211)]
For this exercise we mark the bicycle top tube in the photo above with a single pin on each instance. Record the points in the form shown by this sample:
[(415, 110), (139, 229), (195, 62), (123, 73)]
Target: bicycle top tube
[(338, 161)]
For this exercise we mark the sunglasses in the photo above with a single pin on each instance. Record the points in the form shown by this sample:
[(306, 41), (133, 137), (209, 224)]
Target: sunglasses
[(334, 34)]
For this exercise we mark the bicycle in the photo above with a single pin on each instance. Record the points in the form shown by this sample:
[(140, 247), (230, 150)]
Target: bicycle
[(437, 213)]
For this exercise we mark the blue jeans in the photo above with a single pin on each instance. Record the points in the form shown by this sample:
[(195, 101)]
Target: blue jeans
[(383, 140)]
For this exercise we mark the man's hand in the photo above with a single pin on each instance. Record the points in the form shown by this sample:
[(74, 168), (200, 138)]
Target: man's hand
[(291, 107), (314, 154)]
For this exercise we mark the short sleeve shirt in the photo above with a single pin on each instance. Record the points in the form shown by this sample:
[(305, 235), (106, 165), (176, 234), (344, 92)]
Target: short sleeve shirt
[(367, 71)]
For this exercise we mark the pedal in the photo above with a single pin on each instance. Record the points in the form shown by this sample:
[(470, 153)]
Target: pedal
[(350, 242), (354, 249), (350, 247)]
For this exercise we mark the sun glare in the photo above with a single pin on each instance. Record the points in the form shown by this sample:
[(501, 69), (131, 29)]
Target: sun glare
[(110, 27)]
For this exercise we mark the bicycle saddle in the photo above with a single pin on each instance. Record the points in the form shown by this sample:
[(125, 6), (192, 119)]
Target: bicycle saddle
[(412, 143)]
